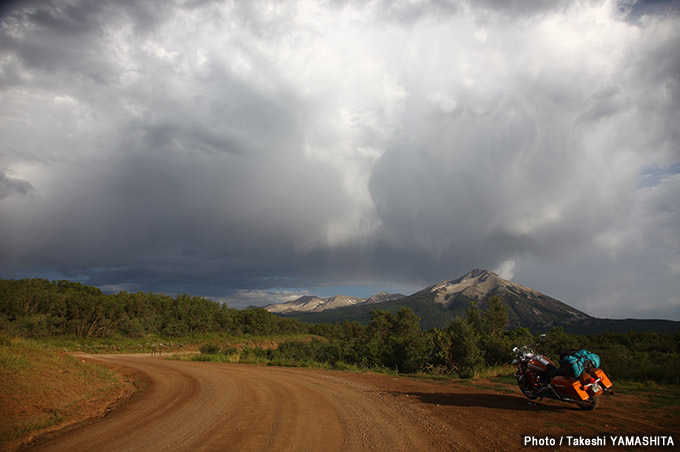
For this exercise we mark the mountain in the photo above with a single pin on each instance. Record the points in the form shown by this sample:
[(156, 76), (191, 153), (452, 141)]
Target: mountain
[(317, 304), (438, 304), (383, 297), (526, 306)]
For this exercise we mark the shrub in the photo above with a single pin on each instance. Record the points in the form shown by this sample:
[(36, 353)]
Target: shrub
[(253, 354), (210, 349), (229, 350)]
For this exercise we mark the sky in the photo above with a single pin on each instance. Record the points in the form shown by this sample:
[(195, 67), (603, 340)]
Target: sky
[(255, 151)]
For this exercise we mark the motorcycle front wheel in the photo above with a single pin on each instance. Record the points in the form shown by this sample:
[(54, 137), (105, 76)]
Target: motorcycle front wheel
[(526, 387)]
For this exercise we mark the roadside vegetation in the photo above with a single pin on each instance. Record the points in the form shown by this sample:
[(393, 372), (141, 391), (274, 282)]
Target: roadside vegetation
[(74, 317)]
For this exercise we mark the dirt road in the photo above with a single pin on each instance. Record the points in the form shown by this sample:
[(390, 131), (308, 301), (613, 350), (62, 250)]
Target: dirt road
[(194, 406)]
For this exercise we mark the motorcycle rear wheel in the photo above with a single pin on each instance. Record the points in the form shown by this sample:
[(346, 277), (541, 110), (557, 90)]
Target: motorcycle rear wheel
[(589, 406)]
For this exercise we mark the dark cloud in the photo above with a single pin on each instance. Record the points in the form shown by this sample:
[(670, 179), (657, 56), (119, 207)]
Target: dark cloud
[(520, 8), (635, 10), (253, 151), (45, 35)]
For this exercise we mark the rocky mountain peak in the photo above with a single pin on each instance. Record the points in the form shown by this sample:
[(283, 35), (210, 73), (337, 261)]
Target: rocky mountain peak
[(382, 297), (477, 284), (526, 305), (479, 273)]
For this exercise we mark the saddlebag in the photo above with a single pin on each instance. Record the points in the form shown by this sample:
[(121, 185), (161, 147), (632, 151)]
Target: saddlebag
[(604, 380), (570, 388)]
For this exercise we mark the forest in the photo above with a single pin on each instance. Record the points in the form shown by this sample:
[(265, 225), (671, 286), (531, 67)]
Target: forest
[(38, 308)]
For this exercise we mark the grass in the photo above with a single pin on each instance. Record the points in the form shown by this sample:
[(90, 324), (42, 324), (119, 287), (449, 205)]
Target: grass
[(114, 344), (659, 397), (145, 344), (42, 386), (10, 362), (496, 371), (247, 354), (505, 379)]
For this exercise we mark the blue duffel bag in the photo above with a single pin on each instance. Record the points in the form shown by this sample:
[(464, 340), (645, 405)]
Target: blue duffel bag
[(579, 360)]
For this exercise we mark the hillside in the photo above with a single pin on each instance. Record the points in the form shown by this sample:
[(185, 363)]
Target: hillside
[(41, 308), (45, 390)]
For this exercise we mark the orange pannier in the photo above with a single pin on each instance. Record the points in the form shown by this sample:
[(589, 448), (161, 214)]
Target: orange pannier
[(572, 388), (604, 380)]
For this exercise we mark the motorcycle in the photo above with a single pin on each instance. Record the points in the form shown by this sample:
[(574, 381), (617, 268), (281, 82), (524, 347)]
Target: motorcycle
[(537, 379)]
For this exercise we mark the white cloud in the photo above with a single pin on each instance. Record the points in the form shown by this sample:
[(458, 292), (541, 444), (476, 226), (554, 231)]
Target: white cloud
[(506, 269)]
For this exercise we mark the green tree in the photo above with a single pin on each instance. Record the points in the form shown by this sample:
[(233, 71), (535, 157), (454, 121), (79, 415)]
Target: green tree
[(406, 342), (495, 317), (394, 341), (496, 347), (465, 354), (374, 345)]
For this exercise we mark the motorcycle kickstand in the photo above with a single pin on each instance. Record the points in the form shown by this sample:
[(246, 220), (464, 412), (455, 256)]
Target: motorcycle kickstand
[(533, 403)]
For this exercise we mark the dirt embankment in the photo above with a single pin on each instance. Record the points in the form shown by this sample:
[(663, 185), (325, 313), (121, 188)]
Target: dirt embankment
[(208, 406), (43, 390)]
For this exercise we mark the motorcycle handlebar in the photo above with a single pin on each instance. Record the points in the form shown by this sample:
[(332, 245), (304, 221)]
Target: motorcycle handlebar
[(541, 340)]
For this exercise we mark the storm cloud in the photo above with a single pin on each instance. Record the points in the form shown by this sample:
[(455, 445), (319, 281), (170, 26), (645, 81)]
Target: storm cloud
[(251, 151)]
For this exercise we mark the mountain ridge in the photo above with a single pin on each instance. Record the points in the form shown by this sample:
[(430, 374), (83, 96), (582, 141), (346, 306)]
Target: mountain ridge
[(312, 303)]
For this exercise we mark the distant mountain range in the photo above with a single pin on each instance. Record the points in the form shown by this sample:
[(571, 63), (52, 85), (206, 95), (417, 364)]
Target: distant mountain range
[(438, 304), (317, 304)]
